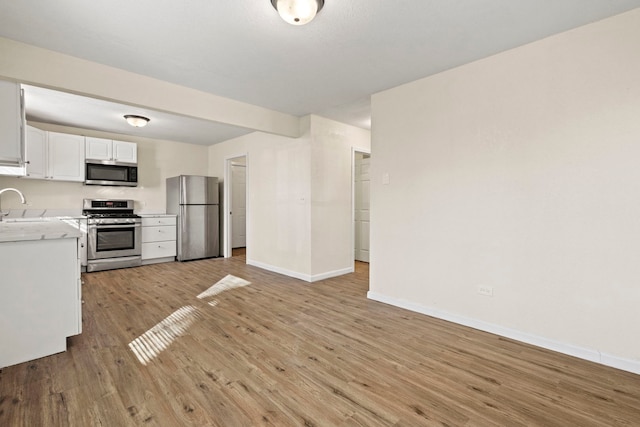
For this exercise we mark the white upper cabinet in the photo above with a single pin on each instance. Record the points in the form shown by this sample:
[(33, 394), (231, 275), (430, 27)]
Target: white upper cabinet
[(97, 148), (53, 155), (125, 151), (66, 157), (110, 150), (36, 153), (11, 124)]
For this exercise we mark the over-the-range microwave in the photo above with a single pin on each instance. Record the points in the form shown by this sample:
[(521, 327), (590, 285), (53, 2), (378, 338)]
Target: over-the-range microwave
[(111, 173)]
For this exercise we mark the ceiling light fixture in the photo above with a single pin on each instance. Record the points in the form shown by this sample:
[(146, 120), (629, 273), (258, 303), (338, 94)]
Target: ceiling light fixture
[(136, 121), (298, 12)]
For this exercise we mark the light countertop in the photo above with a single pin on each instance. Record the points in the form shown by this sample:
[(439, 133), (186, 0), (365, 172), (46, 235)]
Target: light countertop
[(37, 229), (43, 213), (156, 215)]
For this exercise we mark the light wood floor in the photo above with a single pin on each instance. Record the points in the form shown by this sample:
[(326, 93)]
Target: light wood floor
[(282, 352)]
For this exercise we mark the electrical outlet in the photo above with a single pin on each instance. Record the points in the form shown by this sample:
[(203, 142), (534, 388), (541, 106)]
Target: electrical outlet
[(485, 290)]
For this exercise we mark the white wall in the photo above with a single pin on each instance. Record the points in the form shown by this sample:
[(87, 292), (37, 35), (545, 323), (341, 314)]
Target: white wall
[(278, 236), (332, 250), (519, 172), (157, 160), (299, 190)]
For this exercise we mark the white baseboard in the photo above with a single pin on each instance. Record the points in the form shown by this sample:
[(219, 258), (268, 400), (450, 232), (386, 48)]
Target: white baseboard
[(158, 260), (330, 274), (290, 273), (306, 277), (568, 349)]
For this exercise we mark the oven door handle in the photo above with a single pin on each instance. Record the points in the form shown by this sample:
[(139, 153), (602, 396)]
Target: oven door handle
[(95, 226)]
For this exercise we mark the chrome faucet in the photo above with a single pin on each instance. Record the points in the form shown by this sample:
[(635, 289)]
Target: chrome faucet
[(21, 197)]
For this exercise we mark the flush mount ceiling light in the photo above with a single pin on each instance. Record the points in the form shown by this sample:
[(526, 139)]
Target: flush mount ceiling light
[(136, 121), (298, 12)]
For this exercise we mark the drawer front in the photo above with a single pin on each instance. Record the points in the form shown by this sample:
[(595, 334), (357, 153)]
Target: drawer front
[(158, 234), (164, 220), (152, 250)]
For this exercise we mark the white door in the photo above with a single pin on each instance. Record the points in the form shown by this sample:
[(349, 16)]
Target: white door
[(361, 214), (238, 205)]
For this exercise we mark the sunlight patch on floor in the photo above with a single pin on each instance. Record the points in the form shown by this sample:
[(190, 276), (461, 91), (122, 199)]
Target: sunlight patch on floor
[(148, 345), (225, 284)]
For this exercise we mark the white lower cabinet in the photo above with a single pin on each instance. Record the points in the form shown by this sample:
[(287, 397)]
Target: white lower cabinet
[(158, 238), (41, 302), (80, 223)]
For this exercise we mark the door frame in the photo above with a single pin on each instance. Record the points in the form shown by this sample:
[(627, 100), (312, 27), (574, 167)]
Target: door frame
[(227, 188), (355, 150)]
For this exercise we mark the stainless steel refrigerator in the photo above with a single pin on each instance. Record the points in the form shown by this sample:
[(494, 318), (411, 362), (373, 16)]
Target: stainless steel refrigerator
[(194, 199)]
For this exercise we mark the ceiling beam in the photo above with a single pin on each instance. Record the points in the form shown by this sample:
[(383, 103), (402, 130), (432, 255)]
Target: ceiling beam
[(40, 67)]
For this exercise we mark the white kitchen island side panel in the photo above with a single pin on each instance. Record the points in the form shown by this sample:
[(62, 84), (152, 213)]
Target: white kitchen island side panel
[(40, 300)]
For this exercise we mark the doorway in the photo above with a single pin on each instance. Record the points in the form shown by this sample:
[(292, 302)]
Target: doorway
[(235, 229), (361, 205)]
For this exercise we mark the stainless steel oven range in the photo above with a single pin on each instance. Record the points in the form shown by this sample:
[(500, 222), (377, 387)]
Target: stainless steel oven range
[(114, 234)]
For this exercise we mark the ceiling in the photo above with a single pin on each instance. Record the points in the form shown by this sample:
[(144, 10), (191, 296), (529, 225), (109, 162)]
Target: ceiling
[(242, 50)]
